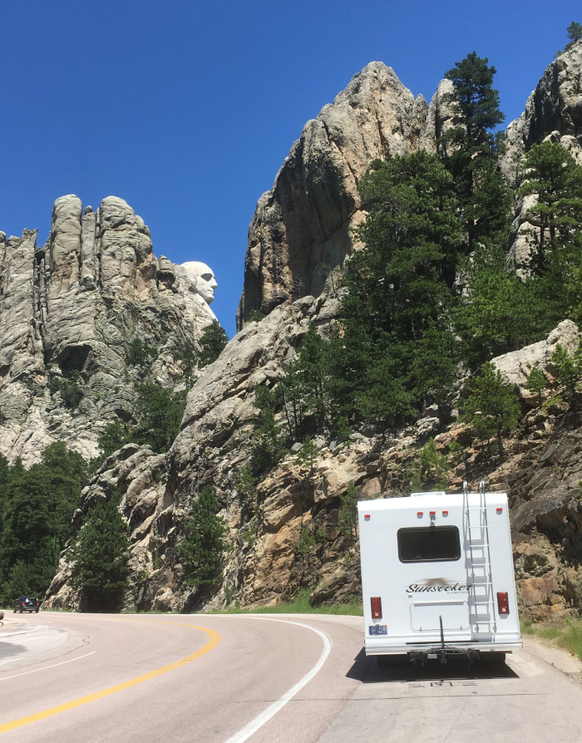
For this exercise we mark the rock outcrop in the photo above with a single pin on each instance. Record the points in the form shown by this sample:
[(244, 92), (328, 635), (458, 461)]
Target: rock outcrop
[(553, 111), (70, 312), (303, 227), (286, 531), (554, 106)]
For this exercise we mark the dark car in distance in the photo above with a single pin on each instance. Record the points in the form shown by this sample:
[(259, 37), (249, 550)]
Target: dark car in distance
[(26, 603)]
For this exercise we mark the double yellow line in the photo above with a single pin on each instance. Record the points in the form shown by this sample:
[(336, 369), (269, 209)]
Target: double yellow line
[(214, 640)]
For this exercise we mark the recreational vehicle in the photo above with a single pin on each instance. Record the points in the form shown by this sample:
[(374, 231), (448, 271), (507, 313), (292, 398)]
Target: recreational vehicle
[(437, 576)]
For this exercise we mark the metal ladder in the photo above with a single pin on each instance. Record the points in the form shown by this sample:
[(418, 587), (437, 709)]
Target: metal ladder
[(482, 615)]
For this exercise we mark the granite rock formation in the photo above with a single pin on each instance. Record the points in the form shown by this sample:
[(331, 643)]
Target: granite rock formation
[(302, 228), (553, 111), (285, 530), (70, 311)]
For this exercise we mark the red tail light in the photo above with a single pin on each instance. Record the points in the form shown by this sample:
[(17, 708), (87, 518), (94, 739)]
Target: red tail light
[(376, 602), (503, 603)]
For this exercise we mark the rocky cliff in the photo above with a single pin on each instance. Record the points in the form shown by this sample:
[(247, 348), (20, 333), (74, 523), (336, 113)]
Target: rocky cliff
[(554, 111), (286, 531), (302, 228), (70, 313)]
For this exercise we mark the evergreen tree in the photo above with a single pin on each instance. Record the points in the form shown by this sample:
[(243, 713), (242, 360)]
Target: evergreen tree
[(212, 342), (470, 149), (348, 514), (37, 505), (160, 414), (551, 173), (567, 368), (536, 383), (100, 556), (574, 31), (490, 407), (499, 312), (268, 442), (115, 435), (303, 387), (396, 315), (202, 552), (553, 176)]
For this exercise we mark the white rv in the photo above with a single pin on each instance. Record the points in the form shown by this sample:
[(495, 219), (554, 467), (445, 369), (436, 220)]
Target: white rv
[(437, 576)]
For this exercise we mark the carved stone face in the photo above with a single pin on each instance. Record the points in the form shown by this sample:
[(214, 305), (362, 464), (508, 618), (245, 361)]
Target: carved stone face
[(203, 276)]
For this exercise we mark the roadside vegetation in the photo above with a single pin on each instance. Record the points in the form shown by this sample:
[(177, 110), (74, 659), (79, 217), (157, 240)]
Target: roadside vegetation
[(299, 605), (566, 634)]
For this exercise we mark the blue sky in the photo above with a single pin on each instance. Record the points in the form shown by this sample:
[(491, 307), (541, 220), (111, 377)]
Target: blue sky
[(187, 109)]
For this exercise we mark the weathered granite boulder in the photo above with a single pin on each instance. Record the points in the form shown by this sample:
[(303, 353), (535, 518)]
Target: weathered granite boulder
[(516, 366)]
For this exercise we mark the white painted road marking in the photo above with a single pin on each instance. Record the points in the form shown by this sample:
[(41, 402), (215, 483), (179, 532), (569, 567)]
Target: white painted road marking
[(265, 716), (54, 665)]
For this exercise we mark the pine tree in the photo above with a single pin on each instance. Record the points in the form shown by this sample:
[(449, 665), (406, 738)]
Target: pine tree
[(396, 315), (160, 413), (303, 387), (212, 342), (567, 368), (536, 383), (574, 31), (268, 441), (470, 149), (490, 407), (551, 173), (37, 505), (99, 557), (499, 312), (202, 552)]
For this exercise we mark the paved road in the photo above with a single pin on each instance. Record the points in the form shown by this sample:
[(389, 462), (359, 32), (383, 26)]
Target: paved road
[(172, 678), (227, 679)]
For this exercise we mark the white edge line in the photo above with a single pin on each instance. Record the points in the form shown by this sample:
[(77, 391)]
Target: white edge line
[(265, 716), (44, 668)]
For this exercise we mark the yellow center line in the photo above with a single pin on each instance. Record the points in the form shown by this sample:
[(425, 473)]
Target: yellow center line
[(214, 640)]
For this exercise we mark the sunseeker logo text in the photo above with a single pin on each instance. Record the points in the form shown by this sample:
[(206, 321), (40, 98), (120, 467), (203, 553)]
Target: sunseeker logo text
[(437, 585)]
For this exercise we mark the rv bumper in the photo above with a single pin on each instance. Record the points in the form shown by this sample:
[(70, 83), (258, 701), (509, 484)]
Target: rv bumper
[(449, 648)]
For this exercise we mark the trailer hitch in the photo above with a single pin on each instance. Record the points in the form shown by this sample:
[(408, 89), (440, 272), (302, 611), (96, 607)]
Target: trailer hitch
[(420, 657)]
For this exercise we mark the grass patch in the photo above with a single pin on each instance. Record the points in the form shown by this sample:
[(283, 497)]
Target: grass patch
[(572, 638), (300, 605), (567, 634), (550, 633)]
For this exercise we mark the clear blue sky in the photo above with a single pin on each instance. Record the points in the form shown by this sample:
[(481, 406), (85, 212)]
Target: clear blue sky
[(187, 109)]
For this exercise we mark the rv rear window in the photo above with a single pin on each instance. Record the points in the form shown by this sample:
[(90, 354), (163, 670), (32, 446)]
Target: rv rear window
[(426, 544)]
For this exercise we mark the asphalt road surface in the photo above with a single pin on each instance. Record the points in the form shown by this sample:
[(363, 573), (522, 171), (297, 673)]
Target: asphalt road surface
[(281, 679)]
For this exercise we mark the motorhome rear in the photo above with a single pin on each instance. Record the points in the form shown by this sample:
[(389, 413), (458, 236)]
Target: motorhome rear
[(437, 575)]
